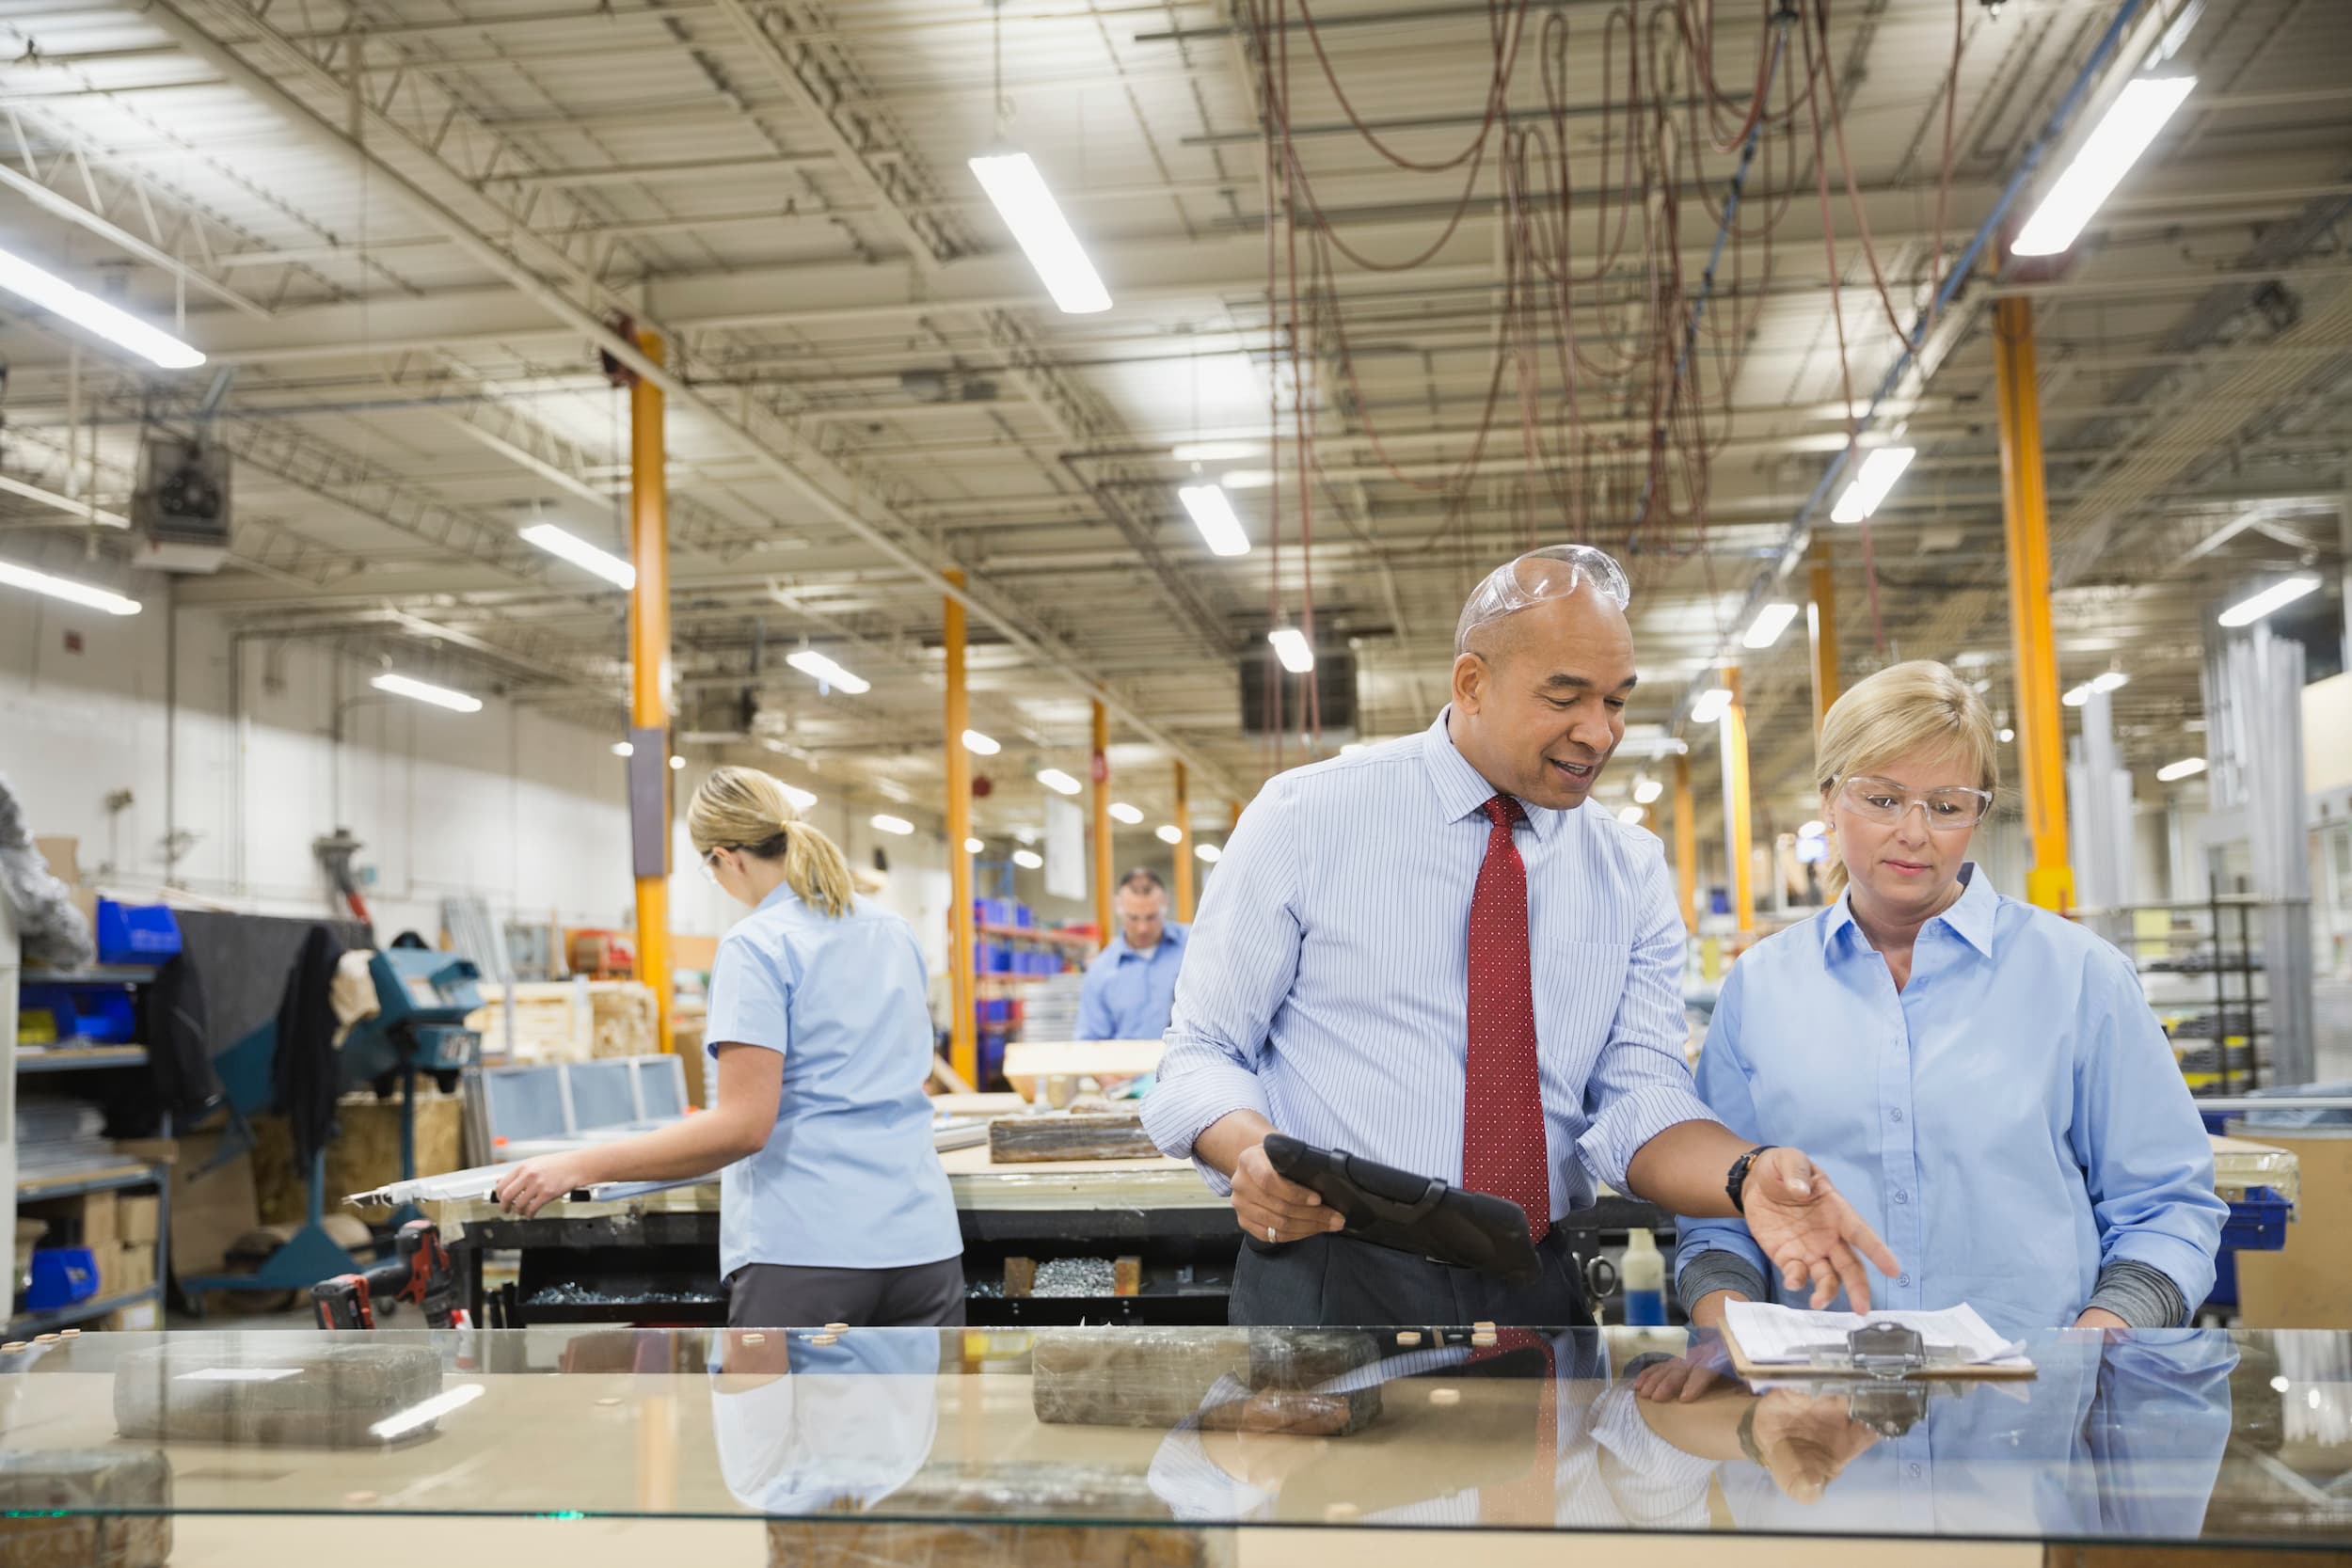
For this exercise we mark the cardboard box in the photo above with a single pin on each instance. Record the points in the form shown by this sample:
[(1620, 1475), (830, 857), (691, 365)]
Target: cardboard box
[(137, 1218), (145, 1318), (134, 1269), (64, 857), (210, 1210), (85, 1219)]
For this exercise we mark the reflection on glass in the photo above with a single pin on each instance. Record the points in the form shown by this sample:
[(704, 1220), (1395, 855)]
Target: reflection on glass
[(805, 1428)]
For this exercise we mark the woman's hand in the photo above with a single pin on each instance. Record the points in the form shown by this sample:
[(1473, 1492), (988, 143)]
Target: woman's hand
[(525, 1189), (1804, 1442)]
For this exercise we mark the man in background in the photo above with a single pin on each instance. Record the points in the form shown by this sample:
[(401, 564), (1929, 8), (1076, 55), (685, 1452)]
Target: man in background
[(1129, 987)]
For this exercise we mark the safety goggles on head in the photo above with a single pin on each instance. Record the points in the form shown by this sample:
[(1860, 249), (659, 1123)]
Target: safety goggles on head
[(709, 862), (1946, 810)]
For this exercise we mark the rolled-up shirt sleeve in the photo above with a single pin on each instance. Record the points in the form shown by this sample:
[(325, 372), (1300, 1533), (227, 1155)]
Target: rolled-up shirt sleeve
[(1737, 1262), (2146, 1159), (1640, 1086), (1240, 960)]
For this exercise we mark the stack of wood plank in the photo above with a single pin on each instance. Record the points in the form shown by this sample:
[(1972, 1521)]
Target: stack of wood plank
[(568, 1020)]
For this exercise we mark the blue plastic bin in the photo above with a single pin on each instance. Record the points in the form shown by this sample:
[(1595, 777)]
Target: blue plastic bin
[(62, 1275), (94, 1015), (137, 933)]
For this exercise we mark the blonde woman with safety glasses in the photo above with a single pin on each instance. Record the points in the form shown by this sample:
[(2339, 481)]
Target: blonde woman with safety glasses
[(1982, 1079), (834, 1207)]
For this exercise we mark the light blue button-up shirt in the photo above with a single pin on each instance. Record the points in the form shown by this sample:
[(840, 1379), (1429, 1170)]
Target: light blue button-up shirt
[(1127, 995), (1327, 981), (2009, 1123), (849, 1178)]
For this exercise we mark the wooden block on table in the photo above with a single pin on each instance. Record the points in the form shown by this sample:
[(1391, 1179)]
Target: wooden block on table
[(1156, 1378), (1028, 1140), (1020, 1276)]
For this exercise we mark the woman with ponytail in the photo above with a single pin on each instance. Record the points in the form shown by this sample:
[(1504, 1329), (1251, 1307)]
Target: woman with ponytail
[(833, 1207)]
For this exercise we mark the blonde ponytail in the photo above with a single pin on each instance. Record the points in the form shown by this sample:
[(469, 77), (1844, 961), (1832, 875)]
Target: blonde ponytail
[(742, 808)]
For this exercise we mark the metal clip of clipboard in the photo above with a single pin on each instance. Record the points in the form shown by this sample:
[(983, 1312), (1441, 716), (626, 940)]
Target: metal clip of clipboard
[(1888, 1395)]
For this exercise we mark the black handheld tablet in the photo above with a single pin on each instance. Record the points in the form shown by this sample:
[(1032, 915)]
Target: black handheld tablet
[(1420, 1214)]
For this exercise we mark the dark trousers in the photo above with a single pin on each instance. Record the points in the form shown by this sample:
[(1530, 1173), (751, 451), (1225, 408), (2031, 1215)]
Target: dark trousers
[(1332, 1281), (780, 1295)]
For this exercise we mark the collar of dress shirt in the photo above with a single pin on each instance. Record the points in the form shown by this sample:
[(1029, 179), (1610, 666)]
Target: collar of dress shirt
[(1171, 935), (1971, 916), (781, 893), (1462, 789)]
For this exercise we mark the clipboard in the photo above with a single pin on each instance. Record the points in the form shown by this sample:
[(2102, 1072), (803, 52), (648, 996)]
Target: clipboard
[(1875, 1353), (1421, 1214)]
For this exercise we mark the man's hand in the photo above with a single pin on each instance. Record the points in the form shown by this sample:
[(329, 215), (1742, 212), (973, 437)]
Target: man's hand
[(1273, 1209), (1809, 1232), (1806, 1442), (1265, 1205)]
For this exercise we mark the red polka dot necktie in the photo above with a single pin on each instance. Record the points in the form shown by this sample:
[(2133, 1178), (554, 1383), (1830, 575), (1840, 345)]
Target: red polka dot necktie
[(1503, 1150)]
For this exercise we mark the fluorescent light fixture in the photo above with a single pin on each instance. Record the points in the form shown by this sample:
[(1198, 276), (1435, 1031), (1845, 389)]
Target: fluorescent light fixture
[(1712, 705), (623, 749), (92, 315), (801, 799), (1215, 451), (817, 667), (1028, 860), (1647, 789), (1125, 813), (1168, 832), (1769, 623), (1058, 781), (572, 548), (981, 745), (2007, 735), (2247, 611), (1213, 515), (67, 589), (425, 691), (973, 846), (1629, 814), (1291, 647), (892, 789), (1880, 470), (890, 824), (2185, 767), (677, 763), (1208, 852), (425, 1412), (2140, 111), (1013, 183), (2110, 680), (1812, 830), (2076, 696)]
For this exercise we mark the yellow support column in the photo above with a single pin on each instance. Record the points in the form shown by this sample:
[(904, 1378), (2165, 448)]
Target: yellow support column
[(1103, 821), (649, 657), (964, 1040), (1183, 847), (2025, 509), (1686, 844), (1820, 618), (1737, 810)]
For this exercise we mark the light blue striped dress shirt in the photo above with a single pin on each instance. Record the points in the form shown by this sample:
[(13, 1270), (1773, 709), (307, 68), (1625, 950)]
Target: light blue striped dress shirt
[(2010, 1121), (1328, 978)]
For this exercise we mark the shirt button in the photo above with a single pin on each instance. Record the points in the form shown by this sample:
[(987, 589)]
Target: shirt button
[(1901, 1196), (1905, 1280), (1898, 1116), (1915, 1472)]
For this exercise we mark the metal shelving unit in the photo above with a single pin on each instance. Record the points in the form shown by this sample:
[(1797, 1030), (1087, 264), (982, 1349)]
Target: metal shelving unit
[(2208, 958), (78, 1056), (26, 1325)]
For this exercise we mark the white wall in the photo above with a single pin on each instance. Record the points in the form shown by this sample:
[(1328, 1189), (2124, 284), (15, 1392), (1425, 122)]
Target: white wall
[(527, 811)]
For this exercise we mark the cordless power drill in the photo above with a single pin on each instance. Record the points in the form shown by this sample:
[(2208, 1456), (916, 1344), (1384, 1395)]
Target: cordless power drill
[(419, 1271)]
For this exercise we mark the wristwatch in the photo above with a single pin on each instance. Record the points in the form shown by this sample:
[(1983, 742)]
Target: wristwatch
[(1739, 1179)]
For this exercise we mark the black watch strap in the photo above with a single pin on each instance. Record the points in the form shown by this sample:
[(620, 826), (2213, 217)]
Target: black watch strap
[(1739, 1178)]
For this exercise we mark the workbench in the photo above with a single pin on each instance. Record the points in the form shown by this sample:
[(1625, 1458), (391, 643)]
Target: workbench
[(655, 1259), (1192, 1449)]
